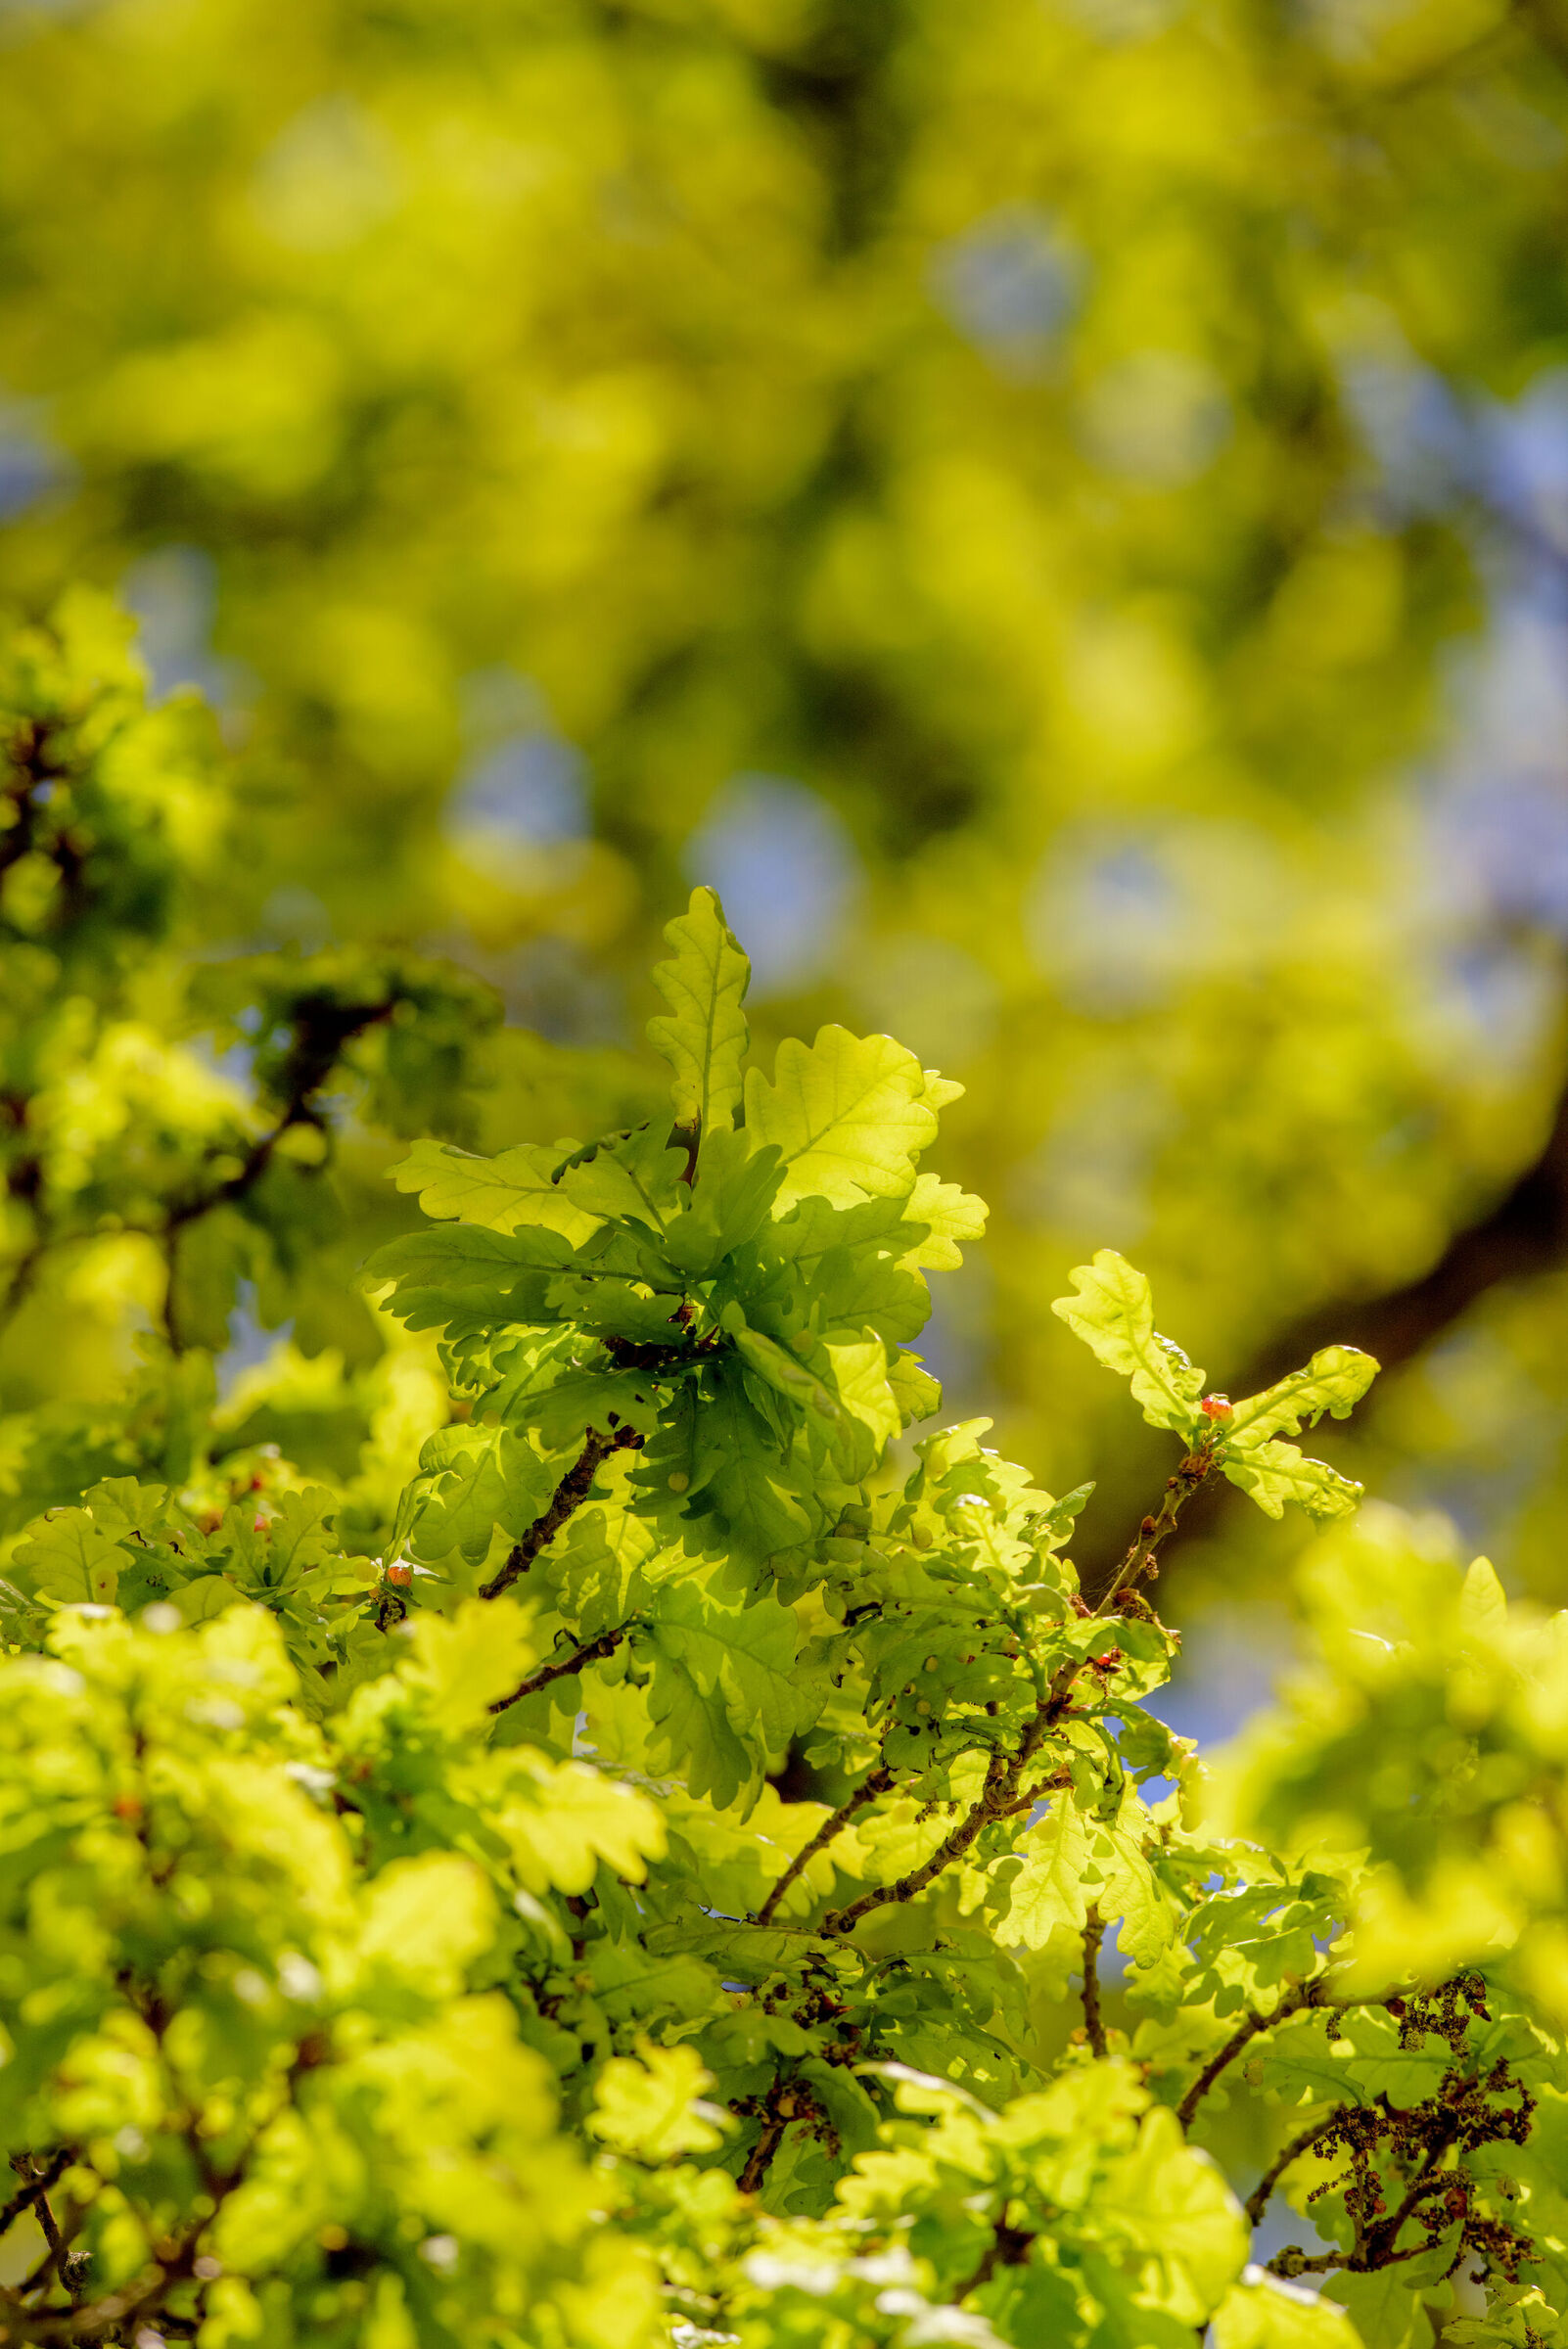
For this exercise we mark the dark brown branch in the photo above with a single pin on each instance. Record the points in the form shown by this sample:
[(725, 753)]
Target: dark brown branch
[(251, 1167), (604, 1645), (1523, 1234), (1293, 2261), (1257, 2200), (102, 2320), (51, 2237), (318, 1047), (998, 1796), (1093, 2021), (1526, 1233), (1000, 1779), (570, 1495), (762, 2154), (786, 2100), (56, 2260), (877, 1783), (1381, 2239), (322, 1034)]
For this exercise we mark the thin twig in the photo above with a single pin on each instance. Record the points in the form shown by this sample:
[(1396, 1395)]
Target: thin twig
[(784, 2102), (762, 2154), (1093, 2022), (570, 1495), (604, 1645), (28, 2193), (1003, 1774), (1153, 1533), (18, 1285), (877, 1783), (1247, 2030), (1293, 2262), (55, 2259), (1382, 2238), (1257, 2200)]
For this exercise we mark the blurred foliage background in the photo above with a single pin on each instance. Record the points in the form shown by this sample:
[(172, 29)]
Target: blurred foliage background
[(1058, 508)]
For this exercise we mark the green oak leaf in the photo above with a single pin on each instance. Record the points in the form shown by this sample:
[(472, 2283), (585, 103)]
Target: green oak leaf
[(1048, 1890), (1113, 1312), (1334, 1380), (496, 1194), (1260, 2312), (703, 1035), (72, 1560), (949, 1214), (727, 1691), (847, 1116), (1273, 1473)]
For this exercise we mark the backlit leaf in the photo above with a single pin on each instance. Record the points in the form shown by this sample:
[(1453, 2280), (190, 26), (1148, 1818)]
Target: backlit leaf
[(703, 1035), (848, 1117), (1113, 1312)]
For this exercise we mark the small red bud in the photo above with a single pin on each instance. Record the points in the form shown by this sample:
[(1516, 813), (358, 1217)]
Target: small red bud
[(259, 1525), (128, 1806), (1217, 1407), (403, 1576)]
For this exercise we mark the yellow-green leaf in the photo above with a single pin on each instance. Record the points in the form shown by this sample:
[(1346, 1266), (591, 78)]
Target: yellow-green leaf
[(1113, 1312), (1275, 1472), (703, 1035), (652, 2104), (848, 1117), (1048, 1891), (1263, 2313), (497, 1194), (460, 1668), (1333, 1381)]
